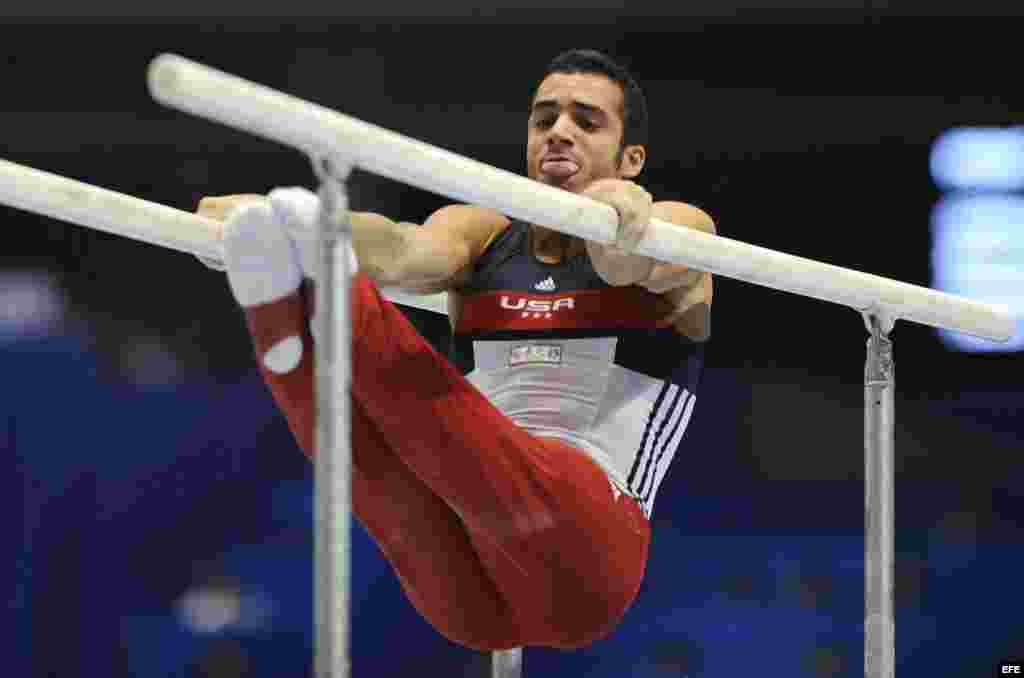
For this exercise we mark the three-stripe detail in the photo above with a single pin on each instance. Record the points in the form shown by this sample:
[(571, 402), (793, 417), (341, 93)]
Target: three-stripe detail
[(665, 426)]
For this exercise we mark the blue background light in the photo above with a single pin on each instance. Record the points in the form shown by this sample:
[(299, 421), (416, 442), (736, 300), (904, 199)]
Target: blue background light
[(979, 158), (978, 229)]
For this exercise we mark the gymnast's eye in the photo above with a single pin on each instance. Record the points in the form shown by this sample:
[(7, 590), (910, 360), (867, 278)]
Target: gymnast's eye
[(586, 124)]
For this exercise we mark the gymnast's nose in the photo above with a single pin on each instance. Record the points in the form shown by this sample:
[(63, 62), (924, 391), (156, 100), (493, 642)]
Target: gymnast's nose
[(561, 132)]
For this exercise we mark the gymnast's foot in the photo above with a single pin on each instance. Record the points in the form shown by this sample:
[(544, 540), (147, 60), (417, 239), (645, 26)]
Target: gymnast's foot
[(270, 247)]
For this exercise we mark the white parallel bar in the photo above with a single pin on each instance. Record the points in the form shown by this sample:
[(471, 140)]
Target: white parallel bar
[(87, 205), (83, 204), (248, 106)]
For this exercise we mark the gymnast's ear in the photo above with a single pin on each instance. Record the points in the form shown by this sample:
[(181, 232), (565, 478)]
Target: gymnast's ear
[(633, 158)]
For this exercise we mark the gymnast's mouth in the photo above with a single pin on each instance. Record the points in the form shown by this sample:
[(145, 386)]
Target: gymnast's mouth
[(560, 166)]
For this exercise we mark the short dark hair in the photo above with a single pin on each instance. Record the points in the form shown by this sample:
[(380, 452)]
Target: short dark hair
[(634, 104)]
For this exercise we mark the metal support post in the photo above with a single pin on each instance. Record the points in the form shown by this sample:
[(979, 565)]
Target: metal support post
[(333, 461), (507, 663), (879, 485)]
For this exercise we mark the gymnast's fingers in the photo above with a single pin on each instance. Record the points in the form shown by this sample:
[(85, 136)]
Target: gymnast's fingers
[(634, 208), (219, 207)]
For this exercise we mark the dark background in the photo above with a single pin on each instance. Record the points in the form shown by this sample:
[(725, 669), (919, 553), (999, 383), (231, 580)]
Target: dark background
[(148, 460)]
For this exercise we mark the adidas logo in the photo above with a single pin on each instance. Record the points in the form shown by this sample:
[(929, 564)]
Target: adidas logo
[(546, 285)]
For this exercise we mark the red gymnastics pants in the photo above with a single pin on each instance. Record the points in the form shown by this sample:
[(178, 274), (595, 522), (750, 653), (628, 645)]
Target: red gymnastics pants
[(499, 538)]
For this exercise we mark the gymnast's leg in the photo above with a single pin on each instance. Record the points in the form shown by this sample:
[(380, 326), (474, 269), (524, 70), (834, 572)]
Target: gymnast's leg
[(420, 536), (427, 545)]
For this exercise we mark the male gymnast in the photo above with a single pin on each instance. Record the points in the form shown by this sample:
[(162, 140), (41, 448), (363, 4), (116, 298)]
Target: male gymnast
[(510, 487)]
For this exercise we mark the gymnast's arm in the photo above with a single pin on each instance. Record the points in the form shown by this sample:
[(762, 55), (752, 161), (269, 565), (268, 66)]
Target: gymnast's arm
[(420, 259), (424, 259), (688, 290), (620, 269), (664, 276)]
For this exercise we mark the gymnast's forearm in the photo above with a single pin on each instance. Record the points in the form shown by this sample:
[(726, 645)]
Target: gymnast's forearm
[(618, 269), (380, 244)]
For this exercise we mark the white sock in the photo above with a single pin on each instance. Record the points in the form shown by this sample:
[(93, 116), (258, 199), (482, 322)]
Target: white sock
[(298, 209), (261, 262)]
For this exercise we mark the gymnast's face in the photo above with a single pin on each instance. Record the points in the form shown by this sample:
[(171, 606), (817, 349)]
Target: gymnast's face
[(575, 132)]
